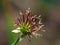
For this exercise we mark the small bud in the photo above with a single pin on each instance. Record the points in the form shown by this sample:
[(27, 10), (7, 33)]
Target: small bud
[(43, 30), (21, 13), (39, 16), (28, 11), (41, 26), (40, 22)]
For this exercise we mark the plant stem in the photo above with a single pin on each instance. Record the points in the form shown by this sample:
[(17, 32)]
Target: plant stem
[(20, 38), (15, 42)]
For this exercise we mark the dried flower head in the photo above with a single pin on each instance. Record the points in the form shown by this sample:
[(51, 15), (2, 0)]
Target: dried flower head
[(28, 24)]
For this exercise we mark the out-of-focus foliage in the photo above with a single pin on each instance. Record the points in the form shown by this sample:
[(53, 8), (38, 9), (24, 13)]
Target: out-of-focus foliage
[(10, 26), (1, 5), (9, 21)]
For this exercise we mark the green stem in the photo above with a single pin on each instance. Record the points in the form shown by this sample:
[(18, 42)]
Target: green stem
[(20, 38), (15, 42)]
